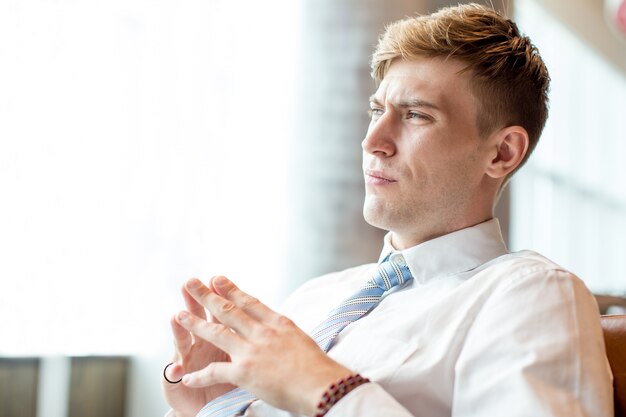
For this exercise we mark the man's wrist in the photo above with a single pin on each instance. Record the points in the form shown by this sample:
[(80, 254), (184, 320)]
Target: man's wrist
[(337, 391)]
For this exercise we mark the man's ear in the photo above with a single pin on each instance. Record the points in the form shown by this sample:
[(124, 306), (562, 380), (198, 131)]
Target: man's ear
[(511, 145)]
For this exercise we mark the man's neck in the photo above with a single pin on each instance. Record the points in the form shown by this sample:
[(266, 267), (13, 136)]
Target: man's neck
[(404, 240)]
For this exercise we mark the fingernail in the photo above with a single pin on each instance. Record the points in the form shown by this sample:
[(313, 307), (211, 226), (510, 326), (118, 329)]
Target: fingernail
[(194, 283), (183, 316), (220, 281)]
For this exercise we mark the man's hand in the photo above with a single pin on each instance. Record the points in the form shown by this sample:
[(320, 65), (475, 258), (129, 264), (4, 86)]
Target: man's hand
[(269, 355), (192, 354)]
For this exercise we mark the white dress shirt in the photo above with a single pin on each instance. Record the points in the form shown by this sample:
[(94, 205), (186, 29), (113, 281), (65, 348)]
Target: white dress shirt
[(479, 332)]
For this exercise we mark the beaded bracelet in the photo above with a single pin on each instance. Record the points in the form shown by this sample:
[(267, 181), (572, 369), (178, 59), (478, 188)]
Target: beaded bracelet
[(337, 391)]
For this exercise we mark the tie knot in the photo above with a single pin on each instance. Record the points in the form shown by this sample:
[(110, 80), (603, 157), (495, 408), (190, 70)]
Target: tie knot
[(392, 273)]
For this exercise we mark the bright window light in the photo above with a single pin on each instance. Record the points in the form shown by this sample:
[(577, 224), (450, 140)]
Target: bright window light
[(141, 143)]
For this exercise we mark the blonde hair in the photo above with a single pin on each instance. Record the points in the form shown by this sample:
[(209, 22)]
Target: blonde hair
[(509, 78)]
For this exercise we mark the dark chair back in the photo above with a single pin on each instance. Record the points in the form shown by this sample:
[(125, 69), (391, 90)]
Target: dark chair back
[(614, 327)]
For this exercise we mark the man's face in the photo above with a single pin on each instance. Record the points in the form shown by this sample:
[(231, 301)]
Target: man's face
[(423, 158)]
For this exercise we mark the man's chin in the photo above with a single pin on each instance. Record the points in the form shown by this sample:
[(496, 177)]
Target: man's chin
[(375, 216)]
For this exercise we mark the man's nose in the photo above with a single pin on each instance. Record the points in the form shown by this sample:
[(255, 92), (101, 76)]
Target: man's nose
[(380, 138)]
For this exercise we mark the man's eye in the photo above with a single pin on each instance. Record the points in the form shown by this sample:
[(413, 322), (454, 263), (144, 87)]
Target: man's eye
[(375, 113), (417, 116)]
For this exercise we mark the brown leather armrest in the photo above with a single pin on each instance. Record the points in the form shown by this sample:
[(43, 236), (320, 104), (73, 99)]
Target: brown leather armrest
[(614, 328)]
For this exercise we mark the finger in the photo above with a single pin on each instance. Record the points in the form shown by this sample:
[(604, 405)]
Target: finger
[(214, 373), (217, 334), (222, 309), (182, 338), (174, 372), (249, 304), (193, 306)]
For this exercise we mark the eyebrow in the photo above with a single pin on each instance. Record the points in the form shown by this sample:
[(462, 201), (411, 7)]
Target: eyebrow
[(416, 102)]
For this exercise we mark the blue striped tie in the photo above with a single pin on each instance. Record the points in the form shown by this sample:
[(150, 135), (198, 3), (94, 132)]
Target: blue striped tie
[(390, 274)]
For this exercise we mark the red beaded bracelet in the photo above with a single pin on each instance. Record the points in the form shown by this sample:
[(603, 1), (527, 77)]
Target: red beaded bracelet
[(337, 391)]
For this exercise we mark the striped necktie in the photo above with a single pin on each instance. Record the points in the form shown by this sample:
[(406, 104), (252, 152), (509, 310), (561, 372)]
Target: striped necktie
[(390, 273)]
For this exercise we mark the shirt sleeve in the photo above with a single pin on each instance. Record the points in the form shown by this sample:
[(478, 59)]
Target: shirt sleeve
[(536, 348)]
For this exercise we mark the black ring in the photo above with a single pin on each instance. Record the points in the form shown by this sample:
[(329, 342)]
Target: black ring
[(165, 376)]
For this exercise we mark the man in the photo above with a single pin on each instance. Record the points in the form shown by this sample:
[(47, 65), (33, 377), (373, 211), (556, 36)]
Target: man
[(465, 328)]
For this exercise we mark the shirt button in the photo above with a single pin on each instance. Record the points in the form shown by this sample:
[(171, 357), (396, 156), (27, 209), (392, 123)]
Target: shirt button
[(398, 259)]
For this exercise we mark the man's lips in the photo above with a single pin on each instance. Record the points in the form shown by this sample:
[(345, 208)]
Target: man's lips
[(377, 177)]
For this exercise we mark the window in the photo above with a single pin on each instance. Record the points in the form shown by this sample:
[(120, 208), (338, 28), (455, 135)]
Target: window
[(139, 144), (569, 203)]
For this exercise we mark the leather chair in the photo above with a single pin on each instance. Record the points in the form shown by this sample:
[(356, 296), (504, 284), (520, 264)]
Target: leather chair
[(614, 327)]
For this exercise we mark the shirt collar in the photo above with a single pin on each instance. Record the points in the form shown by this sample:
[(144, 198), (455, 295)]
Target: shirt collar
[(454, 253)]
